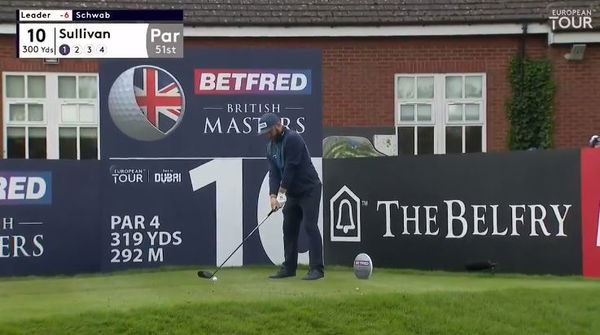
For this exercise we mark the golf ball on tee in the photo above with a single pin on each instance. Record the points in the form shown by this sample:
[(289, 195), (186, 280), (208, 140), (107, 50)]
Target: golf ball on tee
[(214, 278)]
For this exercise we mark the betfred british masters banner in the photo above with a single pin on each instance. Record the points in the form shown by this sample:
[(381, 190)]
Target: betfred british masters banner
[(208, 104)]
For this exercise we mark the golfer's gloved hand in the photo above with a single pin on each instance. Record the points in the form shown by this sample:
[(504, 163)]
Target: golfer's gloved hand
[(281, 199), (274, 203)]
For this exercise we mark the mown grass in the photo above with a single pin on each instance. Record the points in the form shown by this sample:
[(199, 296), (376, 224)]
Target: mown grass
[(244, 301)]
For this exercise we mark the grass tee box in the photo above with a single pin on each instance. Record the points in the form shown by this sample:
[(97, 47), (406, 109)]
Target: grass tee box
[(244, 301)]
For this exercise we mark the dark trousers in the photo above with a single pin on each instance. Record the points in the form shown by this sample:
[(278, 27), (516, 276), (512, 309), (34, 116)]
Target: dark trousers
[(304, 210)]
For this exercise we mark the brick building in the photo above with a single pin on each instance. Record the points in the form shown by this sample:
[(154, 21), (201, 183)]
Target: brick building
[(431, 75)]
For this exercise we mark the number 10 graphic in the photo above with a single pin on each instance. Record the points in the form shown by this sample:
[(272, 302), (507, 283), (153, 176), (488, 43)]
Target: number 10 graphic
[(227, 175)]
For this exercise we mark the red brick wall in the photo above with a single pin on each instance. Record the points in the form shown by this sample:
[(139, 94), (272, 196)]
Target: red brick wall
[(358, 76), (358, 84), (577, 102)]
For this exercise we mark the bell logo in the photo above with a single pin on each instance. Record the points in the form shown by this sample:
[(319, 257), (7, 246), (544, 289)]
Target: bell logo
[(344, 211)]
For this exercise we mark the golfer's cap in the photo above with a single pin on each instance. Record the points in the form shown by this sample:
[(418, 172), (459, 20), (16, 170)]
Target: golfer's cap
[(266, 122), (594, 140)]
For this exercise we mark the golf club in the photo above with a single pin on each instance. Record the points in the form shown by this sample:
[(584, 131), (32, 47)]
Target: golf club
[(210, 275)]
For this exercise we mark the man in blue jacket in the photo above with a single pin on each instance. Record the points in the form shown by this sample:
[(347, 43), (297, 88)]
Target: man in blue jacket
[(293, 181)]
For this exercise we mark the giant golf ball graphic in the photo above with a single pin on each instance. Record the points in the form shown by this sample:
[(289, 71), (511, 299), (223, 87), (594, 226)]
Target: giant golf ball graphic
[(146, 103)]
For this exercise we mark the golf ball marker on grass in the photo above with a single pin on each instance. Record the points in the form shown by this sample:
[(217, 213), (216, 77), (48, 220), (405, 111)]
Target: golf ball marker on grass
[(363, 266)]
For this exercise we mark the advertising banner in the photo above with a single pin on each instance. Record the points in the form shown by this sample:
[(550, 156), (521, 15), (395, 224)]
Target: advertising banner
[(49, 215), (198, 118), (183, 173), (208, 104), (590, 211), (519, 210), (183, 212)]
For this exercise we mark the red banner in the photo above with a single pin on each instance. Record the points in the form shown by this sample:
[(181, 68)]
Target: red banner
[(590, 211)]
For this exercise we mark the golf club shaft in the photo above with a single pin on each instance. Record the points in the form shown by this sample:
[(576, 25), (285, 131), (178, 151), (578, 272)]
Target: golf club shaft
[(246, 238)]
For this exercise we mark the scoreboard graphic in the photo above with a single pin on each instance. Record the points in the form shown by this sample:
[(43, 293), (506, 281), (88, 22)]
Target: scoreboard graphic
[(100, 33)]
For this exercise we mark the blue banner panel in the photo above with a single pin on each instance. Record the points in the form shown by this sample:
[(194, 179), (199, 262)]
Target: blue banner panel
[(66, 217), (186, 212), (208, 104), (151, 216), (49, 214)]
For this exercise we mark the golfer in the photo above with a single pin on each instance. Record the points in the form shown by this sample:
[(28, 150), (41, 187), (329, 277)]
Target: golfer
[(594, 141), (293, 181)]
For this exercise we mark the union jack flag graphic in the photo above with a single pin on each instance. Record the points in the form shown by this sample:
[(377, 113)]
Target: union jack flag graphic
[(159, 97)]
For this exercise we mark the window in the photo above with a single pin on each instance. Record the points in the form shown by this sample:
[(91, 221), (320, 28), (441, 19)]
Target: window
[(51, 115), (415, 102), (440, 113)]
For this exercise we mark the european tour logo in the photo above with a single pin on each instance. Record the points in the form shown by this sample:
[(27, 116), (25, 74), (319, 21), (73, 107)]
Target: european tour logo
[(571, 18)]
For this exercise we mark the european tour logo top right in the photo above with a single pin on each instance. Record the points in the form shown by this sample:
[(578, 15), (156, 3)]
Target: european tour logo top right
[(570, 19)]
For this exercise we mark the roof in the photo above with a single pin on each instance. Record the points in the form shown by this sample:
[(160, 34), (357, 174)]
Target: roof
[(324, 12)]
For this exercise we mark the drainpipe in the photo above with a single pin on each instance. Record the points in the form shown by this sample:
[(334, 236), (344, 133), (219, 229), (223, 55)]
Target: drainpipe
[(522, 48)]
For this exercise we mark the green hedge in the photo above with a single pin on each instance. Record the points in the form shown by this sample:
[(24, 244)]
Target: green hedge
[(530, 109)]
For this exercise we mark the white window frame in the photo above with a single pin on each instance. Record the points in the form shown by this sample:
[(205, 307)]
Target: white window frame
[(23, 101), (52, 111), (440, 110), (414, 101)]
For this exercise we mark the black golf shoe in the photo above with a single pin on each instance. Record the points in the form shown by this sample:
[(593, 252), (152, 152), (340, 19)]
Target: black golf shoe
[(314, 274), (283, 273)]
